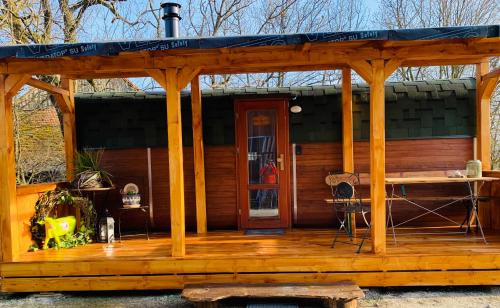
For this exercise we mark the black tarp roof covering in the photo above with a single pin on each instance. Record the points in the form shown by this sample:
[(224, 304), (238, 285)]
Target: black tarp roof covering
[(115, 47)]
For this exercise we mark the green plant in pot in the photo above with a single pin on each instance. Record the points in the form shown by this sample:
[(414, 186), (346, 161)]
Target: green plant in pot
[(89, 172)]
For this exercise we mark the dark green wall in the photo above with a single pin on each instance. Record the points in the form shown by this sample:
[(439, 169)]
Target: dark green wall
[(413, 110)]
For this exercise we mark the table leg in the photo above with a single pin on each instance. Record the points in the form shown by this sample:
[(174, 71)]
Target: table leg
[(474, 200), (389, 215)]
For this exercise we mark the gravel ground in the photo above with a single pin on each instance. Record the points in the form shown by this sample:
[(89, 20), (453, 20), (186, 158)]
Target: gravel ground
[(455, 297)]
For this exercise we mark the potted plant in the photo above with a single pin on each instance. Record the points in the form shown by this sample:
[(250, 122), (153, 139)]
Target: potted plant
[(130, 196), (89, 172)]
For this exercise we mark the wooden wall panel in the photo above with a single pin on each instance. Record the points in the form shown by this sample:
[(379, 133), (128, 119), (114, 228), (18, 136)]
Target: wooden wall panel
[(130, 165), (401, 156), (490, 210), (25, 210), (313, 165), (126, 166), (27, 196)]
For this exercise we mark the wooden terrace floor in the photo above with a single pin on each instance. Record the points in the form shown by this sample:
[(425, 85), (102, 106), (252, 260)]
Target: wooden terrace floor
[(297, 256)]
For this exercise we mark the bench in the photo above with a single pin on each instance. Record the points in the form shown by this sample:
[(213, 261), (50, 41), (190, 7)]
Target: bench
[(341, 294)]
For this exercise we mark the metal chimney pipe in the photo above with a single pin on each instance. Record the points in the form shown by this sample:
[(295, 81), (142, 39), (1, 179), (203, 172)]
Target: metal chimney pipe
[(171, 17)]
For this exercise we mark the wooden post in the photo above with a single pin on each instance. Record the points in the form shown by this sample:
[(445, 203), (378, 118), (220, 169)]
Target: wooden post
[(9, 236), (483, 101), (199, 159), (347, 133), (175, 163), (69, 129), (377, 157)]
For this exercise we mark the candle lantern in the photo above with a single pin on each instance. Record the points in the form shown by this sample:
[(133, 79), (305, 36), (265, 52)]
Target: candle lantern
[(106, 228)]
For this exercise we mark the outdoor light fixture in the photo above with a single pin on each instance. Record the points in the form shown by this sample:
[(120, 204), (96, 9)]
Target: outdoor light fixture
[(296, 108)]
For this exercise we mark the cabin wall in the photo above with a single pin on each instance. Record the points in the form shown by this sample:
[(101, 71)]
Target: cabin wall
[(401, 156), (130, 165), (429, 127), (316, 160)]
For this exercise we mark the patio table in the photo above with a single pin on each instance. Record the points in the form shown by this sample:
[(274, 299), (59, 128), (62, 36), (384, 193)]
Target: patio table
[(471, 195)]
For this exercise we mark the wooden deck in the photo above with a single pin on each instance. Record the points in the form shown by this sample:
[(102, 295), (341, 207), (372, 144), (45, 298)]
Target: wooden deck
[(220, 257)]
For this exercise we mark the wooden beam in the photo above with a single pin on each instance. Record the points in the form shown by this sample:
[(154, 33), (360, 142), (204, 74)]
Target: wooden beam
[(69, 124), (175, 164), (483, 147), (159, 76), (363, 68), (61, 95), (14, 83), (377, 157), (186, 75), (495, 73), (42, 85), (391, 66), (439, 62), (347, 126), (9, 235), (484, 89), (107, 75), (259, 58), (199, 157)]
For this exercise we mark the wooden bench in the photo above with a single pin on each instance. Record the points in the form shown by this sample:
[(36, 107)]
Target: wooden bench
[(341, 294)]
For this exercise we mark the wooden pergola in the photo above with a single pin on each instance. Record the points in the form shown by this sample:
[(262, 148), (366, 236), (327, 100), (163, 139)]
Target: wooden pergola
[(174, 69)]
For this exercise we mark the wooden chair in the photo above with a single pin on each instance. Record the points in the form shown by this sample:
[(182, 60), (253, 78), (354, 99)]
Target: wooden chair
[(347, 204)]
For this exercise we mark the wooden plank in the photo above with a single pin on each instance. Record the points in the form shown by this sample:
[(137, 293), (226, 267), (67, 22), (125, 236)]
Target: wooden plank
[(495, 203), (347, 131), (35, 188), (347, 124), (159, 76), (492, 74), (436, 180), (231, 251), (364, 69), (198, 157), (42, 85), (175, 164), (8, 210), (439, 62), (14, 83), (377, 157), (162, 282), (211, 292), (260, 58), (483, 118), (69, 126), (391, 66), (186, 75)]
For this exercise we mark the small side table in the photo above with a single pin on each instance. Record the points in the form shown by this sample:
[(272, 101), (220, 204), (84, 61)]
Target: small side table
[(122, 210)]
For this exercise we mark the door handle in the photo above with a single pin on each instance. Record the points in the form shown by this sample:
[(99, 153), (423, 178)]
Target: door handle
[(281, 162)]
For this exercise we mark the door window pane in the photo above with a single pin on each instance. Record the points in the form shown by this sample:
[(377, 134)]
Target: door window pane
[(263, 203), (262, 147)]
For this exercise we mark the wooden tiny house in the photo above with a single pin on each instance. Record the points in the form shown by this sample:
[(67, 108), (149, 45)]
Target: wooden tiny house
[(195, 157), (424, 118)]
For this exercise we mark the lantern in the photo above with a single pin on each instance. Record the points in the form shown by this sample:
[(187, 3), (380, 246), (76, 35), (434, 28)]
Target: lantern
[(106, 228)]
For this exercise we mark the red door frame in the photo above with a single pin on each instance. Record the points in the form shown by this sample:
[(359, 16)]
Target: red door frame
[(282, 147)]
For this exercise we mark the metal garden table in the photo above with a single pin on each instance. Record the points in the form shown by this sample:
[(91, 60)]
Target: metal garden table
[(471, 195)]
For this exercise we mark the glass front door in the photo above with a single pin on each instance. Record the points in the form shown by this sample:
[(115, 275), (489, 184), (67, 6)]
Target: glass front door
[(262, 163)]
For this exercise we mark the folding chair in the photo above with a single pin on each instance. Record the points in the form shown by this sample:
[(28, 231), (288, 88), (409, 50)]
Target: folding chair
[(346, 202)]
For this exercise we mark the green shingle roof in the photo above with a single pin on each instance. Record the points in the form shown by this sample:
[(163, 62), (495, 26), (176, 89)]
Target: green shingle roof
[(419, 109)]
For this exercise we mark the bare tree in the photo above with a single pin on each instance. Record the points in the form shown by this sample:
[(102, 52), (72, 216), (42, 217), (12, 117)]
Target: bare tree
[(400, 14), (403, 14), (244, 17)]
